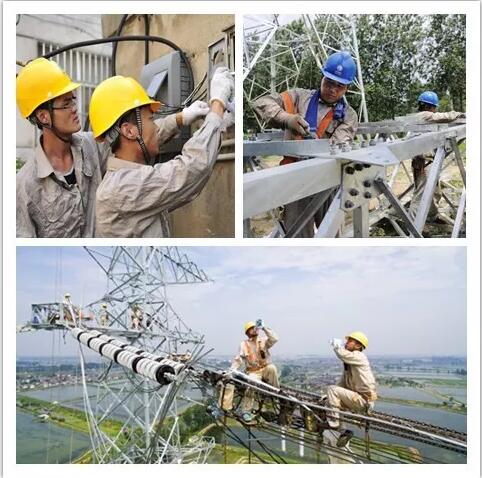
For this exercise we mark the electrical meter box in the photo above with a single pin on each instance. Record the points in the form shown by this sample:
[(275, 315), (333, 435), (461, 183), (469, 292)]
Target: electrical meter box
[(167, 80)]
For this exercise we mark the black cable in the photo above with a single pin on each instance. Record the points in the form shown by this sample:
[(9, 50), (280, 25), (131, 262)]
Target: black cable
[(117, 39), (118, 33), (146, 45), (274, 455), (114, 47)]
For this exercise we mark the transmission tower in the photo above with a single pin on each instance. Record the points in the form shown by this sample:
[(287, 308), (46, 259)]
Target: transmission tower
[(287, 50), (136, 309)]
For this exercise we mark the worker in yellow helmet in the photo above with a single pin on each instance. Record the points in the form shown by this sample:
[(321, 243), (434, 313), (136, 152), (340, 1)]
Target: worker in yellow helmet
[(55, 189), (135, 197), (254, 355), (356, 390)]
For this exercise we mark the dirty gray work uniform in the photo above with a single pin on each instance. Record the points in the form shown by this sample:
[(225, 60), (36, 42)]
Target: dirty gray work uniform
[(356, 389), (255, 355), (418, 163), (134, 200), (49, 207), (269, 107)]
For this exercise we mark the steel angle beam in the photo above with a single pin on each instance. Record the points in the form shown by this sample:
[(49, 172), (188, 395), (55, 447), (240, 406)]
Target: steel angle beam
[(361, 226), (307, 147), (429, 189), (310, 210), (459, 217), (398, 207), (424, 143), (391, 153), (333, 220), (378, 155), (271, 135), (397, 127), (273, 187)]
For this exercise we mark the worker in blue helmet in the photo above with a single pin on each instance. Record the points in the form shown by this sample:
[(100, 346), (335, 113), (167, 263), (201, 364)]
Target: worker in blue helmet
[(428, 103), (321, 113)]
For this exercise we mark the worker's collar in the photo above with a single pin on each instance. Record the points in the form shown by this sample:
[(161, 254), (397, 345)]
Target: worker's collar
[(328, 105), (113, 164), (44, 167)]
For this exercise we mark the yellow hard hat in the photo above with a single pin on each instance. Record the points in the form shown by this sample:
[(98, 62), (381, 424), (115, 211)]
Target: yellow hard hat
[(248, 325), (114, 97), (360, 336), (39, 81)]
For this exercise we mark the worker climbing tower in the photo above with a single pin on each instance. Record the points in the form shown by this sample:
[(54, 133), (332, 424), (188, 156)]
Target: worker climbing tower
[(276, 54)]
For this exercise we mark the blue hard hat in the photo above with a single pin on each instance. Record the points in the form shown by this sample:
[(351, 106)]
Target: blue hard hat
[(428, 97), (340, 67)]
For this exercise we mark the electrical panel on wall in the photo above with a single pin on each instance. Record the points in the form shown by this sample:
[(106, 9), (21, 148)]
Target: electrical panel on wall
[(167, 80)]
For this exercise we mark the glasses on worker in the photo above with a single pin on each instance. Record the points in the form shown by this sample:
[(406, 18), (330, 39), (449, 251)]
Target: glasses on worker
[(69, 104)]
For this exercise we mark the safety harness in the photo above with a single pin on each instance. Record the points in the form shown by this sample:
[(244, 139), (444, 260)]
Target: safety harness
[(336, 112)]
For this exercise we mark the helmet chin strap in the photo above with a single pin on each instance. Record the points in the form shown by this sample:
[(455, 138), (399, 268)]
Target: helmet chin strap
[(139, 138), (51, 127)]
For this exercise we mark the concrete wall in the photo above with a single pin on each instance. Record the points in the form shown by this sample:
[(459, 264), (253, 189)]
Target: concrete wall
[(212, 213)]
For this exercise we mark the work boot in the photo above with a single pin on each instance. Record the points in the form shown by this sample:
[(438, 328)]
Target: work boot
[(344, 438), (215, 412)]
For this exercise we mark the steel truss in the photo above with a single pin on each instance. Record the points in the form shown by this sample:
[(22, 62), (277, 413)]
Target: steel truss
[(366, 174), (286, 51), (150, 362), (286, 413), (136, 314)]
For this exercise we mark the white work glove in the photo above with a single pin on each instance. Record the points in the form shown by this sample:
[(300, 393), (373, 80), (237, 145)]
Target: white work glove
[(231, 106), (222, 86), (197, 110), (336, 343), (227, 121), (260, 324), (294, 122)]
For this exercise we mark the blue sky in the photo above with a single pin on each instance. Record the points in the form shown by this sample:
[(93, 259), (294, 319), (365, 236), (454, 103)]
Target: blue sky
[(408, 300)]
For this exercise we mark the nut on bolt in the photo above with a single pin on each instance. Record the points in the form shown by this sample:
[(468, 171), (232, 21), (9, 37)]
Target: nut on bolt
[(350, 170), (367, 183), (358, 166), (353, 192), (367, 195), (348, 204)]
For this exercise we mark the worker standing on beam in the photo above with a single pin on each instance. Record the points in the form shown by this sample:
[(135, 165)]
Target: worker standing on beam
[(427, 112), (320, 113), (134, 198), (356, 390), (254, 354)]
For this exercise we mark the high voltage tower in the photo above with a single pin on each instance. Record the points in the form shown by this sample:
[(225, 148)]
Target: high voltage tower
[(136, 314), (275, 54), (152, 360)]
